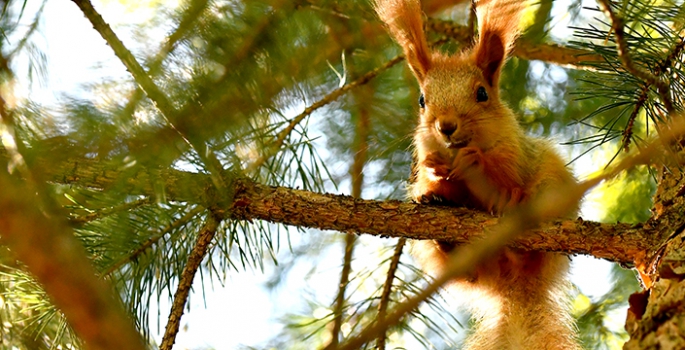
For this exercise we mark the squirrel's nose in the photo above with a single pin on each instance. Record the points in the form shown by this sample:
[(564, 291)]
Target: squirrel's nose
[(446, 128)]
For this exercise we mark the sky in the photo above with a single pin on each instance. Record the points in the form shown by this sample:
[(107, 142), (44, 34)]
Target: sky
[(76, 55)]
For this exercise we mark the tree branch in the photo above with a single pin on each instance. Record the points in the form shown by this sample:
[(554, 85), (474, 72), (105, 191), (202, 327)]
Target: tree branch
[(162, 102), (552, 53), (618, 26), (152, 240), (58, 261), (387, 288), (615, 242), (181, 296), (275, 146)]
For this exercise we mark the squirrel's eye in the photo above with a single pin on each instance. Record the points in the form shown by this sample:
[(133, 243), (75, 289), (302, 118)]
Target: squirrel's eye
[(481, 94), (422, 101)]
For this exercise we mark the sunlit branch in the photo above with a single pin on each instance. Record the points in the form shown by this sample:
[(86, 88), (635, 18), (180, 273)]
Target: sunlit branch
[(275, 145), (616, 242), (195, 258), (618, 27), (151, 89)]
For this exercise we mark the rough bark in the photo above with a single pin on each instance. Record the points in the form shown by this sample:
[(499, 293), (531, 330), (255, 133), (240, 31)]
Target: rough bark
[(621, 243), (656, 318)]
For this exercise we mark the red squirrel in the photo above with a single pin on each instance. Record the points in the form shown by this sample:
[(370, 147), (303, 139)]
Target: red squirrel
[(471, 151)]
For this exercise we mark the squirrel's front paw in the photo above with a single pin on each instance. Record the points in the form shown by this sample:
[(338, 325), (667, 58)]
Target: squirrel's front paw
[(430, 198), (467, 160), (436, 165)]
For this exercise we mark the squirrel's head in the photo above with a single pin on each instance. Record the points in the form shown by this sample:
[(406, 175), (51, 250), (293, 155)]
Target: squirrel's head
[(459, 101)]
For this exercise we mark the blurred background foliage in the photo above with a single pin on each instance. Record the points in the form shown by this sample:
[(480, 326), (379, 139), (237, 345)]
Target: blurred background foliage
[(239, 73)]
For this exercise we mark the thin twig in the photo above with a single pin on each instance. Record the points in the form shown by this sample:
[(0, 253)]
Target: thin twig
[(275, 145), (152, 240), (189, 16), (198, 253), (330, 10), (387, 289), (628, 131), (618, 27), (350, 242), (155, 94), (31, 30), (357, 175)]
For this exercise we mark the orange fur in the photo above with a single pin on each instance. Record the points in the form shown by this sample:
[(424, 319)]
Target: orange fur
[(471, 151)]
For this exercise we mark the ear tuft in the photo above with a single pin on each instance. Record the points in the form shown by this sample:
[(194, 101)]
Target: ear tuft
[(499, 27), (404, 22), (490, 57)]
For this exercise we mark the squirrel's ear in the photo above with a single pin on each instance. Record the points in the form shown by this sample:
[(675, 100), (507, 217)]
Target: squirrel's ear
[(499, 27), (490, 56), (404, 22), (418, 58)]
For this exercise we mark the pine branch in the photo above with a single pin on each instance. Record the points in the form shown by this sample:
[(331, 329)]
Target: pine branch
[(357, 175), (387, 288), (155, 94), (153, 240), (552, 53), (277, 143), (181, 296), (618, 27), (51, 253), (615, 242)]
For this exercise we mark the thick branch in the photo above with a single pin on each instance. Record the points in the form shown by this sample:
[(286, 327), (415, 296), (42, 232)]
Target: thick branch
[(615, 242)]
